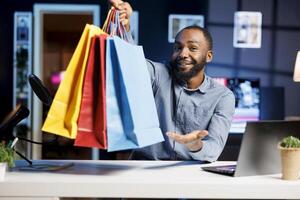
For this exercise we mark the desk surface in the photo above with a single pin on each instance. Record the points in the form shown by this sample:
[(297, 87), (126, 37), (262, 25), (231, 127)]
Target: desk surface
[(140, 179)]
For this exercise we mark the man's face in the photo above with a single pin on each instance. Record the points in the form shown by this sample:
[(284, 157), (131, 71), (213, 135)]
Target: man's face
[(190, 54)]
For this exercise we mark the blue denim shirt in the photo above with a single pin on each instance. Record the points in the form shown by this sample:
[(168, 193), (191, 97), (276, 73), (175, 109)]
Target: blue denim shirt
[(209, 107)]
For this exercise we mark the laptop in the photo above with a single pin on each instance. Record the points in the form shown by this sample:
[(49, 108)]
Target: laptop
[(258, 153)]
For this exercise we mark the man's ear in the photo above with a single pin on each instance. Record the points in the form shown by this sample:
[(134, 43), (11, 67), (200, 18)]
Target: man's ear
[(209, 56)]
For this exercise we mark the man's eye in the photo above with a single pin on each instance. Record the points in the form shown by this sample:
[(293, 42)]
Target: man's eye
[(193, 49), (177, 48)]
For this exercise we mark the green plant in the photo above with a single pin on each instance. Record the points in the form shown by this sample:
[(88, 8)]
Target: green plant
[(290, 142), (7, 155)]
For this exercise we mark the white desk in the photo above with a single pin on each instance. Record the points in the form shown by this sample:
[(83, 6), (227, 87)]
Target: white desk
[(141, 179)]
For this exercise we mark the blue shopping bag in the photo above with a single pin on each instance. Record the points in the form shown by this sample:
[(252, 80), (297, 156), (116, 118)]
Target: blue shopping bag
[(132, 120)]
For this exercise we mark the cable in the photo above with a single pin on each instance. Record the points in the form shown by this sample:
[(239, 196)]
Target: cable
[(40, 143)]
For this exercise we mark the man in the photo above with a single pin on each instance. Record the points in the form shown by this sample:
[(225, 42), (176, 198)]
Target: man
[(195, 112)]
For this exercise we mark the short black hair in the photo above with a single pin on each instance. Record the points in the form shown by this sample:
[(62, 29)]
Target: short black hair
[(205, 33)]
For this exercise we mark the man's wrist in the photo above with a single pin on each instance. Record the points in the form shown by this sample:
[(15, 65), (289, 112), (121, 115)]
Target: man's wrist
[(196, 147), (195, 151)]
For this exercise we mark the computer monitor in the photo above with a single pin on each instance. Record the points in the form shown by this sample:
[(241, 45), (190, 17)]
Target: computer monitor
[(247, 97)]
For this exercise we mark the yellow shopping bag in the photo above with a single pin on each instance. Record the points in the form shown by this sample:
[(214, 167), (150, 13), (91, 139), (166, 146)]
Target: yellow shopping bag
[(63, 114)]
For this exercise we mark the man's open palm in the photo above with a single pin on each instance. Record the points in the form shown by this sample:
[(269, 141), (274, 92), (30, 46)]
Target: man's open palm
[(192, 140)]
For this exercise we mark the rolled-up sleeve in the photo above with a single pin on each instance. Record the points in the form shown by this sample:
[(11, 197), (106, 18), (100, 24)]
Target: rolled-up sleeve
[(218, 130)]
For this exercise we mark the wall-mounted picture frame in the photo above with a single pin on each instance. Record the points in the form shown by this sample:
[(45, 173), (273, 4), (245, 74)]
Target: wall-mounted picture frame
[(247, 29), (134, 26), (178, 22)]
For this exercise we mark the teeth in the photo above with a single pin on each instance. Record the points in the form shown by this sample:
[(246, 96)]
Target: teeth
[(184, 63)]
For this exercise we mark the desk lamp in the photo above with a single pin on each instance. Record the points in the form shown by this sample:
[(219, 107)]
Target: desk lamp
[(296, 79), (297, 68)]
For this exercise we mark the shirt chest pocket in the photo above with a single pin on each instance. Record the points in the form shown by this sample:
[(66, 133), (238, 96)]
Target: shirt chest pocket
[(200, 112), (201, 116)]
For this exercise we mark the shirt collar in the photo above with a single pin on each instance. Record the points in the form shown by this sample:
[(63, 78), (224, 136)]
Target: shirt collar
[(202, 88)]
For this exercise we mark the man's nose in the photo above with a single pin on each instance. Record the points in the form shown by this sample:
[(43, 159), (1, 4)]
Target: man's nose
[(184, 53)]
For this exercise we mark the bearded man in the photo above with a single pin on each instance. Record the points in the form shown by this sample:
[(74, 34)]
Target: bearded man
[(195, 112)]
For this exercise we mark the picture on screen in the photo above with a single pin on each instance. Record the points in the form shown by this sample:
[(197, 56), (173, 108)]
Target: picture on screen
[(247, 101)]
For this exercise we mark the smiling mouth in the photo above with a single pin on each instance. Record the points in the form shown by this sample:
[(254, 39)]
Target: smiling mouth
[(183, 62), (184, 65)]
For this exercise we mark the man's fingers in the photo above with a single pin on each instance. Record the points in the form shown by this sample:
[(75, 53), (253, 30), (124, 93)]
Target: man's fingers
[(123, 12), (200, 134), (123, 7), (193, 136), (123, 16), (177, 137), (115, 3)]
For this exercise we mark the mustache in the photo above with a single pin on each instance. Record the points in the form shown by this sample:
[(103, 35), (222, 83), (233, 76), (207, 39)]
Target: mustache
[(182, 61)]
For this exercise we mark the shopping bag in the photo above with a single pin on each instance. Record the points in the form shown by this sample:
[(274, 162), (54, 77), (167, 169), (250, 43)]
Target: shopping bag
[(92, 116), (132, 120), (63, 114)]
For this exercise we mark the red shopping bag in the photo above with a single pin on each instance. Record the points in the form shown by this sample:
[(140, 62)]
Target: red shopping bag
[(92, 116)]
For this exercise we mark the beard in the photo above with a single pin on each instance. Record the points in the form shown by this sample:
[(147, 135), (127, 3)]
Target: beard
[(185, 76)]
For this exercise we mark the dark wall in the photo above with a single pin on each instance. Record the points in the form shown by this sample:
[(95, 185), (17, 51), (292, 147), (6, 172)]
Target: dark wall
[(272, 103)]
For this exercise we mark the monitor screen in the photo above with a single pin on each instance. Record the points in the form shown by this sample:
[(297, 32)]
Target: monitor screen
[(247, 101)]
